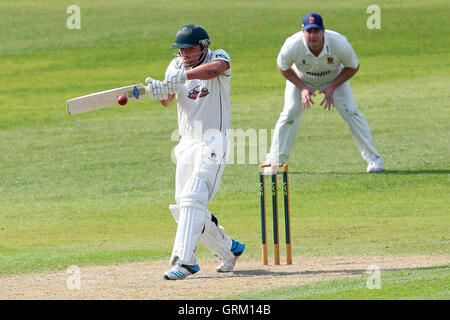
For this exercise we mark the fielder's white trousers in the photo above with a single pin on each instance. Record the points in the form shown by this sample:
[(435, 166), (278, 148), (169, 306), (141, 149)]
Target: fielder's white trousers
[(200, 164), (288, 124)]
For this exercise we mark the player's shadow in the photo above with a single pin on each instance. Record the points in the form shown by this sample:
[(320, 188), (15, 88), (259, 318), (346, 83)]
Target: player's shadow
[(364, 271), (407, 172), (307, 273), (256, 272), (253, 273), (270, 273), (249, 273)]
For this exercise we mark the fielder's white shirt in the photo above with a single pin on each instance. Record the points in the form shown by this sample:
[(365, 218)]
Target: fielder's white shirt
[(205, 103), (336, 54)]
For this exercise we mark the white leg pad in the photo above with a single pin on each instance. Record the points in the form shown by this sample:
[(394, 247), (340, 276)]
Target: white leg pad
[(191, 222), (175, 210), (213, 237), (216, 240)]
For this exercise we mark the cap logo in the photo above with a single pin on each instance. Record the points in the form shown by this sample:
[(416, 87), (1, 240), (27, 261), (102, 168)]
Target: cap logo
[(312, 19)]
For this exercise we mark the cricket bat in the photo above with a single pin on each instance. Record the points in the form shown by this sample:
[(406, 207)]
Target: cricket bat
[(105, 99)]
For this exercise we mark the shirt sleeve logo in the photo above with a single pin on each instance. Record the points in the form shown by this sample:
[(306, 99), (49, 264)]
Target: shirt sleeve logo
[(219, 55)]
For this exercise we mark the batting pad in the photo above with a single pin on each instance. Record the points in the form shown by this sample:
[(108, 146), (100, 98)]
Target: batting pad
[(191, 222), (213, 237), (216, 240)]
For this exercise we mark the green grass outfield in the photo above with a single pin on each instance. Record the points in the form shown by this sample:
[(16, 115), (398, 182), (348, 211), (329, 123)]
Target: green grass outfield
[(424, 283), (94, 188)]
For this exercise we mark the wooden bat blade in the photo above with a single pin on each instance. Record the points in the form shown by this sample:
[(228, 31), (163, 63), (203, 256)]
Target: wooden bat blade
[(105, 99)]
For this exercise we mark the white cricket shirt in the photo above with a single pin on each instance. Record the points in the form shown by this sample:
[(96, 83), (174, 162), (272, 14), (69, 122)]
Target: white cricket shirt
[(205, 103), (336, 54)]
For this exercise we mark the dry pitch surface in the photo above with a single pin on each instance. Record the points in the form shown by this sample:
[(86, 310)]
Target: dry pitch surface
[(144, 280)]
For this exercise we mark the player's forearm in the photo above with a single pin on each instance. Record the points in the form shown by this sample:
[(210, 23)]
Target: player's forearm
[(345, 75), (292, 77), (208, 71)]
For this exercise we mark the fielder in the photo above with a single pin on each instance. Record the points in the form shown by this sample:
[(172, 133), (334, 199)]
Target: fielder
[(200, 80), (318, 59)]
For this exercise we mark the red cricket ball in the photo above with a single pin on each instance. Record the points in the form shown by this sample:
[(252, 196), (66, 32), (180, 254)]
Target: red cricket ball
[(122, 100)]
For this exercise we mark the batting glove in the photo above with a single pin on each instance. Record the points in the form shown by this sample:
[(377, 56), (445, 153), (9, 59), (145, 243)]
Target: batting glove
[(175, 78), (157, 89), (173, 87)]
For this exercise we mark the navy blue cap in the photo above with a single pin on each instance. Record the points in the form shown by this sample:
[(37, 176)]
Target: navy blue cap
[(312, 20)]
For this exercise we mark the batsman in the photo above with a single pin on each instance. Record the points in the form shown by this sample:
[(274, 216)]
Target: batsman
[(199, 79)]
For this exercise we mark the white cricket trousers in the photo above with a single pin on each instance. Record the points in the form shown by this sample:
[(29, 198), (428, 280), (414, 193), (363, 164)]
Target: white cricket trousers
[(200, 164), (288, 124)]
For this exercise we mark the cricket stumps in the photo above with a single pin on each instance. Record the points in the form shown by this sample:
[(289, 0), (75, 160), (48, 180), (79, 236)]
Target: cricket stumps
[(287, 223)]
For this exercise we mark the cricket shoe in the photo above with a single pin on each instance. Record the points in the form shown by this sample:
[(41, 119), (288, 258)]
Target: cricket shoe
[(180, 271), (236, 248), (375, 165)]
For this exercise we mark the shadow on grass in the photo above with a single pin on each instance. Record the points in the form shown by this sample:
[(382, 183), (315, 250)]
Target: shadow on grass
[(396, 172), (416, 171), (306, 273), (250, 273)]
